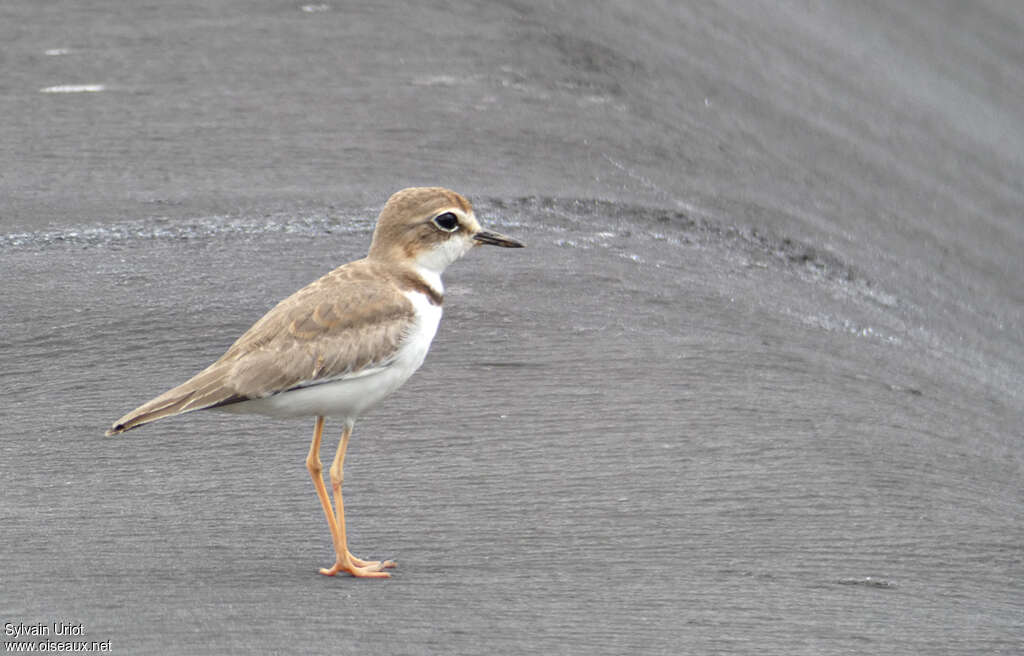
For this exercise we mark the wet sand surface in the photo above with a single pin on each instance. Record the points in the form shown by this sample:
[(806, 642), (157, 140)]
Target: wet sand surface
[(755, 385)]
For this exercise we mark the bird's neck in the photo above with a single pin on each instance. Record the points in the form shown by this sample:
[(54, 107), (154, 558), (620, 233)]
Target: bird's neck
[(411, 275)]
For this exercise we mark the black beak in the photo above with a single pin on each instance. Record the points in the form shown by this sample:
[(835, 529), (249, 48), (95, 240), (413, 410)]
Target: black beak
[(496, 239)]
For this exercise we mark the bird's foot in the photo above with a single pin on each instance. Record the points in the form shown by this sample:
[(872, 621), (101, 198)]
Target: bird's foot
[(359, 568), (373, 564)]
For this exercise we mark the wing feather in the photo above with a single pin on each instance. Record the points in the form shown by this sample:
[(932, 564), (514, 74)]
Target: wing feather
[(348, 323)]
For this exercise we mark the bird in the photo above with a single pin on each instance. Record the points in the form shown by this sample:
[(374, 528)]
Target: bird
[(341, 344)]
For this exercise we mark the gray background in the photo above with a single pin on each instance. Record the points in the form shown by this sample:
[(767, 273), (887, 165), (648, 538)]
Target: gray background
[(754, 387)]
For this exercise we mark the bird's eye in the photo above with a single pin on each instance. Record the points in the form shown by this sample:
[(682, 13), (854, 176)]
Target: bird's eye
[(447, 222)]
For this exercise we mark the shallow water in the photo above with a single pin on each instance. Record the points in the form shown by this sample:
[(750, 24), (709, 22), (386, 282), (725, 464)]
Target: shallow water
[(761, 394)]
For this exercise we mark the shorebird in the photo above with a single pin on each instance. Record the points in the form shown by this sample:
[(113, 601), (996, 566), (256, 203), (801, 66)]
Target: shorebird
[(338, 346)]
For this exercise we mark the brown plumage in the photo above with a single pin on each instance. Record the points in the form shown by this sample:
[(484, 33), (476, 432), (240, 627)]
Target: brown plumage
[(347, 321)]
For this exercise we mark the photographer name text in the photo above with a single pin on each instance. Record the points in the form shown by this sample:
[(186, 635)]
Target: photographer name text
[(53, 629)]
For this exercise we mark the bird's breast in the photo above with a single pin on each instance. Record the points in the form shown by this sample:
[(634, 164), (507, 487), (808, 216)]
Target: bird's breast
[(421, 332)]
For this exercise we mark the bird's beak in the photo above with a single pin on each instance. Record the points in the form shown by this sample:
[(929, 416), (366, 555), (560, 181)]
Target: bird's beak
[(496, 239)]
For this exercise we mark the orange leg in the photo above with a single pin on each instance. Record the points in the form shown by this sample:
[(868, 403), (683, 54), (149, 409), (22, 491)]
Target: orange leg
[(345, 561)]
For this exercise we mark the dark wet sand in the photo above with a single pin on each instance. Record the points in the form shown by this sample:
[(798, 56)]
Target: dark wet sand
[(754, 387)]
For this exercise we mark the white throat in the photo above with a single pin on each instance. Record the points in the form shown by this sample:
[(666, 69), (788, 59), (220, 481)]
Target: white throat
[(431, 277), (432, 263)]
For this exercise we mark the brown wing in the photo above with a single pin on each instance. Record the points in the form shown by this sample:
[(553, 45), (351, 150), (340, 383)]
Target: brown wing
[(344, 324)]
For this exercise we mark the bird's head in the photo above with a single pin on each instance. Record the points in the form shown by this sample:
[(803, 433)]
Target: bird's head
[(431, 227)]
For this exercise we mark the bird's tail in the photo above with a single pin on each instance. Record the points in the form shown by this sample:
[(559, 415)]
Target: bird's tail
[(202, 391)]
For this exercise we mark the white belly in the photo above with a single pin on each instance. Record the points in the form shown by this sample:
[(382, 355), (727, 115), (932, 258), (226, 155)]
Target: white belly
[(350, 397)]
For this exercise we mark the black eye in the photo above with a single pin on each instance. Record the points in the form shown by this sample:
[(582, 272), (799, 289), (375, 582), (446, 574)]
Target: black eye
[(447, 222)]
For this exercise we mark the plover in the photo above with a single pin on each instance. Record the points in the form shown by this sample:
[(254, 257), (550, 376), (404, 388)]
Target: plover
[(338, 346)]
